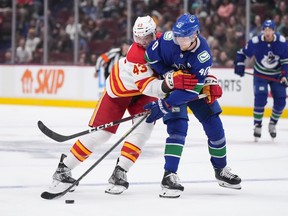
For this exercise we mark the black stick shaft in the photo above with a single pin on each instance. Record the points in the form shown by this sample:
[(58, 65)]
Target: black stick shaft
[(61, 138)]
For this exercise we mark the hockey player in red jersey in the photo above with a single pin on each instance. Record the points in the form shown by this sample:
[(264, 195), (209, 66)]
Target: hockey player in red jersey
[(131, 85)]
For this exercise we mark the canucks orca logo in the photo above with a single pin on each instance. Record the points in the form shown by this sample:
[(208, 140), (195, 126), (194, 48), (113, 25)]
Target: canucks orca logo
[(270, 61)]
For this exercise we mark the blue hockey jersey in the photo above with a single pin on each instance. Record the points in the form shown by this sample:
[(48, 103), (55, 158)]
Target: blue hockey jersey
[(164, 56), (270, 57)]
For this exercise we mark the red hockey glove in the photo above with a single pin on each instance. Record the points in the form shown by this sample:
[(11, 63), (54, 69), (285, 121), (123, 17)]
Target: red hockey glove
[(179, 80), (212, 89)]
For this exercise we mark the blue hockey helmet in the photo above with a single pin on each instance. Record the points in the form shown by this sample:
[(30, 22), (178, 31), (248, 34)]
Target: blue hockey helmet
[(269, 24), (186, 26)]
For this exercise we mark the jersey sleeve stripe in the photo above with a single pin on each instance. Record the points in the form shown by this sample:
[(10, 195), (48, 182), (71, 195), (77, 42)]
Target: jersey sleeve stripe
[(117, 77), (142, 84), (117, 86), (105, 58)]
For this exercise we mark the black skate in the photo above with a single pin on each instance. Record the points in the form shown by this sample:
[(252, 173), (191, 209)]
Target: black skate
[(171, 188), (227, 179), (62, 178), (257, 132), (272, 129), (117, 182)]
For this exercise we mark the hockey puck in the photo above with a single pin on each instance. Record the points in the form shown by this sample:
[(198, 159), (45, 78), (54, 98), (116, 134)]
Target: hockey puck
[(69, 201)]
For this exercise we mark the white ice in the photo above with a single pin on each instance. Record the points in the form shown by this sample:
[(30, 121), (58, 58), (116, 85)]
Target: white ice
[(29, 158)]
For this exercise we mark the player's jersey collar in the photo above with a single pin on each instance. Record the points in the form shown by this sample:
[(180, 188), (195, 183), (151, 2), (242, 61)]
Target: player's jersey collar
[(274, 38), (197, 45)]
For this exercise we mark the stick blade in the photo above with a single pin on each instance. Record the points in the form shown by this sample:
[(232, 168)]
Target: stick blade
[(41, 125), (50, 196), (51, 134)]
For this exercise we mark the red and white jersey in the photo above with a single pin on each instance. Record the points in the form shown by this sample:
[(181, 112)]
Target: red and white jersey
[(132, 76)]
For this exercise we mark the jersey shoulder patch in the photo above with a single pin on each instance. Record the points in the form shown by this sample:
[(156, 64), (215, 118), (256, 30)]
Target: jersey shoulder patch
[(136, 54), (255, 39), (203, 56), (282, 39)]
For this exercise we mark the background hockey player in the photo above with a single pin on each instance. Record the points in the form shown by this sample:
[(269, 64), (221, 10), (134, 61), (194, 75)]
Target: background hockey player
[(271, 61), (131, 85), (185, 49)]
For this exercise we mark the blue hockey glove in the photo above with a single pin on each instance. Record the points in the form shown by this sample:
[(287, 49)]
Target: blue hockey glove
[(157, 108), (284, 78), (239, 68)]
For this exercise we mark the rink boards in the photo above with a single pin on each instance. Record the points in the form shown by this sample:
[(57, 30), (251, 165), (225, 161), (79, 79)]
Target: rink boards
[(76, 86)]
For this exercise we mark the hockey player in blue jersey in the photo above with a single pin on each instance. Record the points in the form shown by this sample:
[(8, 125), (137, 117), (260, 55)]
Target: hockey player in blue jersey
[(185, 49), (271, 61)]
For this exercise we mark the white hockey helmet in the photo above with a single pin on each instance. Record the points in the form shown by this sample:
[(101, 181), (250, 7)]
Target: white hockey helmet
[(144, 26)]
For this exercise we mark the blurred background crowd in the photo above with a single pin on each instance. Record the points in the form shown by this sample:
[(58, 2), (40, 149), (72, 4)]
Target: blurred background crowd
[(103, 25)]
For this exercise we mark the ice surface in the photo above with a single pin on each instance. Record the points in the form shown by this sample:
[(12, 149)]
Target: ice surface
[(29, 158)]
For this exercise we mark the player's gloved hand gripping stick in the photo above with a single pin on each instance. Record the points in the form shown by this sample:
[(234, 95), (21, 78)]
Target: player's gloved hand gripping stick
[(61, 138), (159, 108), (211, 91), (174, 80), (283, 78)]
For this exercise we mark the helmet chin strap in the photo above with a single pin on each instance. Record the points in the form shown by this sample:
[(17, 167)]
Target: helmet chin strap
[(192, 44)]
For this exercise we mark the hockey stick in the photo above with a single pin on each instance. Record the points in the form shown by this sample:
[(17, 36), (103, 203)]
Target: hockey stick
[(61, 138), (264, 77), (49, 196)]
